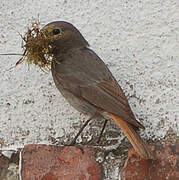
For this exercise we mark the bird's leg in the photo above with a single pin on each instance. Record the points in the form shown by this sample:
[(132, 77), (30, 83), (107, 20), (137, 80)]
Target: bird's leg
[(104, 125), (73, 142)]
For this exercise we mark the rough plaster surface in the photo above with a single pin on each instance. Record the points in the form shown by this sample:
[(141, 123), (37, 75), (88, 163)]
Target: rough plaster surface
[(138, 40)]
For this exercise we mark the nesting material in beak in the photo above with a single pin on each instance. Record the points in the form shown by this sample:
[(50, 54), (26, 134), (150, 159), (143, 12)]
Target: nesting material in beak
[(37, 46)]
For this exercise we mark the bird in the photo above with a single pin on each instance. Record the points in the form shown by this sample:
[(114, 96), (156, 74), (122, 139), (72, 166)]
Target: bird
[(88, 85)]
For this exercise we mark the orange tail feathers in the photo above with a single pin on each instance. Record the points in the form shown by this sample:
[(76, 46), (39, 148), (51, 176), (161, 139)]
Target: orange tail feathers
[(140, 146)]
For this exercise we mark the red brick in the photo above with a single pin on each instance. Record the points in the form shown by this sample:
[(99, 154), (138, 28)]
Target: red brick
[(164, 166), (4, 161), (43, 162)]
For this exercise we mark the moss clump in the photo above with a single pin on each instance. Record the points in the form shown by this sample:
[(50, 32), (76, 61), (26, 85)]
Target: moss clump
[(37, 46)]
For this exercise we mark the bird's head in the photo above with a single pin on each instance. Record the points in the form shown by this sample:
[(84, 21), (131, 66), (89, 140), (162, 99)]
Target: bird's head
[(42, 45), (64, 36)]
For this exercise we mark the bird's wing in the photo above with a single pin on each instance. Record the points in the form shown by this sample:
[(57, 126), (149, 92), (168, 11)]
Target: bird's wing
[(89, 78)]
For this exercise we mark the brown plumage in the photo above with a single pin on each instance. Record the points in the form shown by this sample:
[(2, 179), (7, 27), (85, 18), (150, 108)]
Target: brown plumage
[(88, 85)]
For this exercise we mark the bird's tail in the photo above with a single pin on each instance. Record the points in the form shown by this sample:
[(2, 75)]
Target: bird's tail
[(140, 146)]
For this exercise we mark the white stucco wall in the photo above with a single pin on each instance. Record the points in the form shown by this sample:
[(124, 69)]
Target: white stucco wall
[(138, 40)]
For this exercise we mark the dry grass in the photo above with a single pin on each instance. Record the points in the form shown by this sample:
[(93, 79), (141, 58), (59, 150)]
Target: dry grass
[(37, 47)]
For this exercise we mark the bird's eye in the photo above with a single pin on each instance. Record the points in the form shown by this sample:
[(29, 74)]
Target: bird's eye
[(56, 31)]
